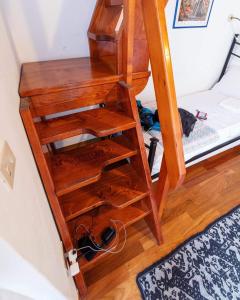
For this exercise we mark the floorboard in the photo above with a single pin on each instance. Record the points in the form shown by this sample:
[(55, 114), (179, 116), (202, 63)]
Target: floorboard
[(211, 189)]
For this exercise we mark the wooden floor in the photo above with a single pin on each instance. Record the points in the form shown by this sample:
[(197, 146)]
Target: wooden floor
[(211, 189)]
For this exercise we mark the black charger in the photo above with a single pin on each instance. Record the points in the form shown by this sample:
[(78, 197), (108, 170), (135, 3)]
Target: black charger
[(90, 249), (107, 235)]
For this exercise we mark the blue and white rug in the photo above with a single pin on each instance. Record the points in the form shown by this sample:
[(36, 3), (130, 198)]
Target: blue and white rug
[(207, 266)]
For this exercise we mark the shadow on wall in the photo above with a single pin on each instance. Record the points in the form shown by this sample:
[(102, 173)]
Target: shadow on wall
[(10, 36), (43, 29)]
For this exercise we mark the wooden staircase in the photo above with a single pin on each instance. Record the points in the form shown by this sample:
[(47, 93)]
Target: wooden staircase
[(90, 183), (107, 32)]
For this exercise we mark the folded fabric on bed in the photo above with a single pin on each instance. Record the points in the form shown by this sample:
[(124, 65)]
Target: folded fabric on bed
[(231, 104), (200, 137)]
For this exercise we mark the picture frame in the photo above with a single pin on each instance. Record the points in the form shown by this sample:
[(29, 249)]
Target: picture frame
[(192, 13)]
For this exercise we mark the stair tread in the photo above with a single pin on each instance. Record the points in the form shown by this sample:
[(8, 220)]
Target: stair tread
[(56, 75), (97, 223), (78, 167), (119, 187), (99, 122), (46, 77)]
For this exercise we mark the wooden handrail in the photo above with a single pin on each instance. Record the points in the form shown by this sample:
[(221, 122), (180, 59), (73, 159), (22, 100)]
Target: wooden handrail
[(129, 10), (160, 58)]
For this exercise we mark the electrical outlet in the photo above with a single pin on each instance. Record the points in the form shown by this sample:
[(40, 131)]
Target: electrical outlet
[(7, 164)]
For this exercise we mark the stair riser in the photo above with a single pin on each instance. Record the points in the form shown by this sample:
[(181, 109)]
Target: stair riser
[(74, 99), (86, 96)]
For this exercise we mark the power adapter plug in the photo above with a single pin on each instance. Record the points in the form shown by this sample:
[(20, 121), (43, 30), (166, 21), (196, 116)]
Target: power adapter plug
[(107, 235), (89, 249)]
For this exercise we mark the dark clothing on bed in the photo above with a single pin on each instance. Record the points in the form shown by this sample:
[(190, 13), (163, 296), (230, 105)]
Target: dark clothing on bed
[(150, 119)]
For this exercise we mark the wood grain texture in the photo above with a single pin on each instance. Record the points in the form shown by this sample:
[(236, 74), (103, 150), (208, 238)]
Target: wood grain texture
[(128, 34), (56, 75), (102, 36), (79, 186), (57, 95), (211, 189), (160, 57), (161, 188), (51, 103), (78, 167), (44, 171), (127, 216), (140, 163), (103, 24), (118, 187), (98, 122)]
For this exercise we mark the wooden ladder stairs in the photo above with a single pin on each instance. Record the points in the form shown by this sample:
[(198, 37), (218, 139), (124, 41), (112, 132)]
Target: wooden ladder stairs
[(90, 183)]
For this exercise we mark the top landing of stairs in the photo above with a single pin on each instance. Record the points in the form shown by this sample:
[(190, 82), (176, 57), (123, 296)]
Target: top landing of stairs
[(45, 77)]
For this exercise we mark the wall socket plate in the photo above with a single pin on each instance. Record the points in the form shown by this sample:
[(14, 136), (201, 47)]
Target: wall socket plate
[(7, 164)]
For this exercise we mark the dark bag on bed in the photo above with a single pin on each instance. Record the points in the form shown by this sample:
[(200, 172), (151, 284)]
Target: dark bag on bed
[(188, 120)]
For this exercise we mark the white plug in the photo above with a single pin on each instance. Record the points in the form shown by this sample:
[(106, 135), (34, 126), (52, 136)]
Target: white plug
[(72, 256), (74, 269)]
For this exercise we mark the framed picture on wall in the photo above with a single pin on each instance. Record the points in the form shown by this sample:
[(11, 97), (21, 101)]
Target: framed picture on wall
[(192, 13)]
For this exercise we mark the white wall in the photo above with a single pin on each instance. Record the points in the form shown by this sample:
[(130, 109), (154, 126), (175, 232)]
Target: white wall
[(8, 295), (198, 54), (43, 29), (21, 279), (26, 222)]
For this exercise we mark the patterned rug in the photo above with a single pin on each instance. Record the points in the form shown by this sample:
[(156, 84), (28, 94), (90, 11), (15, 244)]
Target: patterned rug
[(207, 266)]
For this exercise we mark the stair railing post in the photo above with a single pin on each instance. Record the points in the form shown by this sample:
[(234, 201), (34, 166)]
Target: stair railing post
[(129, 9), (173, 169)]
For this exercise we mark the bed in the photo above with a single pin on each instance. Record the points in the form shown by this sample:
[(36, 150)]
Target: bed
[(220, 131)]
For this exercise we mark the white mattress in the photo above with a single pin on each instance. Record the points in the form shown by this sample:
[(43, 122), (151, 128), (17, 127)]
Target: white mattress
[(223, 124)]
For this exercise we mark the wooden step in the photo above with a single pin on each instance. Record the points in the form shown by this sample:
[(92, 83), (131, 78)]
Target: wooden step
[(119, 188), (113, 2), (51, 77), (97, 223), (98, 122), (101, 36), (46, 77), (78, 167)]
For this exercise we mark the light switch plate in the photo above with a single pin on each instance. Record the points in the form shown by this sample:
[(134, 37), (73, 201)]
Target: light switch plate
[(7, 164)]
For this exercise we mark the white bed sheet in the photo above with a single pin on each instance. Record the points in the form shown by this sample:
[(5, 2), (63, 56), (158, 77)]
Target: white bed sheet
[(223, 121)]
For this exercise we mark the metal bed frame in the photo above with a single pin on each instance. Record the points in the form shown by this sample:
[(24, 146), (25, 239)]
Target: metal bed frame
[(154, 141)]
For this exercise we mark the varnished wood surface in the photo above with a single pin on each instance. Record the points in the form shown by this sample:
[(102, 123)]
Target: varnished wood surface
[(105, 41), (118, 187), (96, 224), (78, 167), (113, 2), (140, 163), (102, 36), (98, 122), (44, 171), (62, 85), (211, 189), (42, 78), (129, 12), (51, 76), (162, 72)]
